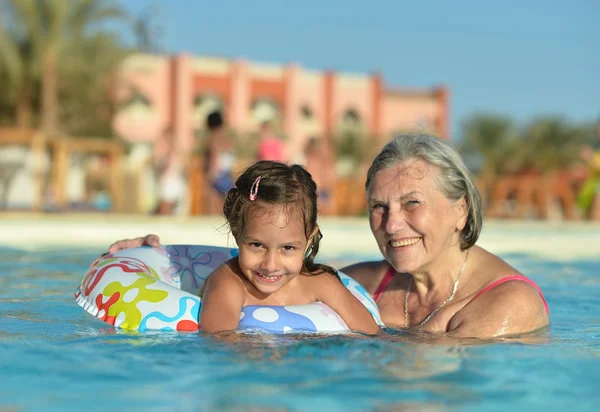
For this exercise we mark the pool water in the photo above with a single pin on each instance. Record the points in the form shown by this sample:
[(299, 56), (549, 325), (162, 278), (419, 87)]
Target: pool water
[(54, 356)]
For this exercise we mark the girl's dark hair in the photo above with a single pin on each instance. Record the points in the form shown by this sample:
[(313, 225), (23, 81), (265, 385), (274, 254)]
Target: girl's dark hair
[(289, 186)]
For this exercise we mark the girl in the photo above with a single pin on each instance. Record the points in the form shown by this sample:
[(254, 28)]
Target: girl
[(272, 214)]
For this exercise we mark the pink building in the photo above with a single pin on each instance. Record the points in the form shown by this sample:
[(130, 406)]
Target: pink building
[(171, 96)]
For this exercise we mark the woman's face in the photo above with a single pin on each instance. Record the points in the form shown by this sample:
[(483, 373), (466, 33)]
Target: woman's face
[(412, 221)]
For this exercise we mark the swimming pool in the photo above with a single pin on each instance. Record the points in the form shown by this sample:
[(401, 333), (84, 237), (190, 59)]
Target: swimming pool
[(54, 356)]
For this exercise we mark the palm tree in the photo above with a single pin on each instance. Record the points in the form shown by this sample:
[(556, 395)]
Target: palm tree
[(61, 21), (41, 31), (147, 30), (20, 58), (494, 140), (553, 146), (553, 143), (87, 105)]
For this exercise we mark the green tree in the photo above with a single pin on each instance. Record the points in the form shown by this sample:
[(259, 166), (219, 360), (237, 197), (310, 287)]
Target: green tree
[(553, 143), (87, 104), (41, 37), (20, 57), (494, 141), (352, 149)]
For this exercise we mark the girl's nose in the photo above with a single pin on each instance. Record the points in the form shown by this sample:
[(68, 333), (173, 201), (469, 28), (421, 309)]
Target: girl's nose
[(270, 262)]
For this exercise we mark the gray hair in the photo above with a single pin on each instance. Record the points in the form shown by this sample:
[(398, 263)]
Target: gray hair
[(454, 181)]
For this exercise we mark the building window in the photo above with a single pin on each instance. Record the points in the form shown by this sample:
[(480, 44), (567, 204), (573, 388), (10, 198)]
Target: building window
[(264, 110), (351, 121), (205, 104)]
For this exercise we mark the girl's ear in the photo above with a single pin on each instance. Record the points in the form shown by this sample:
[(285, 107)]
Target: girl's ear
[(462, 213)]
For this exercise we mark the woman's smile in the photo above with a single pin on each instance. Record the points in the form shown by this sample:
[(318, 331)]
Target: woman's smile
[(403, 243)]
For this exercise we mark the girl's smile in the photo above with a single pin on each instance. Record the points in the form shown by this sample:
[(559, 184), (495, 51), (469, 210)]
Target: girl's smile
[(272, 247)]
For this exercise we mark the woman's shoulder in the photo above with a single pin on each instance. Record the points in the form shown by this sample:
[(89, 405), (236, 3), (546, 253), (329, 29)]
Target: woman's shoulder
[(488, 267), (500, 297)]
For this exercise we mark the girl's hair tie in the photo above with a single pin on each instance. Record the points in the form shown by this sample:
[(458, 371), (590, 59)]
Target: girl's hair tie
[(254, 189)]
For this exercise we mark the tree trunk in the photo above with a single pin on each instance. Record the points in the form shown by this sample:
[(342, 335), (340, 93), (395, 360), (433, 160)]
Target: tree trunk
[(23, 108), (49, 93)]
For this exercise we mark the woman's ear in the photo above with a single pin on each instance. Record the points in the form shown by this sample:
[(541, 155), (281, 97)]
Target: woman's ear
[(462, 213)]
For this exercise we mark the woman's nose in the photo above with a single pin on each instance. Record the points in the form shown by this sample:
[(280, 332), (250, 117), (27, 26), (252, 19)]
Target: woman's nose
[(395, 222)]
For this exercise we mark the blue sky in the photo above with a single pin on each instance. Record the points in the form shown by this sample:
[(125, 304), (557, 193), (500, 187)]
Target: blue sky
[(518, 58)]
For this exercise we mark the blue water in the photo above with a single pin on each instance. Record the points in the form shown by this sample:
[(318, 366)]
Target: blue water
[(54, 356)]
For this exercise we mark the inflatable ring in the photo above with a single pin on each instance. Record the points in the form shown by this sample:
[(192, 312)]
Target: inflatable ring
[(157, 289)]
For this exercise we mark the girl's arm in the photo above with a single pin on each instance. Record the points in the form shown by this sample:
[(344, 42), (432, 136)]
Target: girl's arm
[(222, 302), (333, 293)]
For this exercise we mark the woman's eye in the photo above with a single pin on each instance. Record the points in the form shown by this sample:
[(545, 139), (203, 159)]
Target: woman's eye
[(378, 206), (412, 203), (289, 248)]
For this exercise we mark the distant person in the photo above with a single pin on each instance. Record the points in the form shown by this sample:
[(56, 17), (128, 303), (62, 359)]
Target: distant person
[(220, 161), (96, 183), (321, 166), (271, 147), (172, 184), (589, 195)]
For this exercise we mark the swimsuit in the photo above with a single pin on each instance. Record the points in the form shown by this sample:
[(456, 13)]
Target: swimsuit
[(391, 272)]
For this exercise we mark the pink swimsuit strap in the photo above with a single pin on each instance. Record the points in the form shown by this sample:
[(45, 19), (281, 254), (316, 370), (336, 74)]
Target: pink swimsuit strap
[(387, 278), (508, 279), (384, 283)]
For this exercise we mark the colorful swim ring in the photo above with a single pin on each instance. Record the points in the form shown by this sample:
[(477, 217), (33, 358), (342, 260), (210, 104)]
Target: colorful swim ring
[(156, 289)]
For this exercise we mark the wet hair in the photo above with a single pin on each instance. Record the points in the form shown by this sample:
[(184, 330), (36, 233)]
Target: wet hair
[(454, 180), (291, 187)]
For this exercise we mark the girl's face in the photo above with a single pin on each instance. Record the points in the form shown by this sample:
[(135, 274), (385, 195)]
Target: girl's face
[(272, 247), (413, 222)]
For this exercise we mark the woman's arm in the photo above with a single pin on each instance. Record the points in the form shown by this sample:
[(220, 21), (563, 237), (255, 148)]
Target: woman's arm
[(333, 293), (222, 302), (148, 240)]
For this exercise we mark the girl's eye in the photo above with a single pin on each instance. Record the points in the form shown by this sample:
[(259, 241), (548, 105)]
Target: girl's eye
[(289, 248), (255, 244)]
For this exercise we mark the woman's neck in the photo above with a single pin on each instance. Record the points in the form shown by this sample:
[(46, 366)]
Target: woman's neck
[(435, 283)]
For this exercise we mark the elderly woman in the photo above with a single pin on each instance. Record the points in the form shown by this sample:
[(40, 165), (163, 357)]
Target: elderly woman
[(425, 214)]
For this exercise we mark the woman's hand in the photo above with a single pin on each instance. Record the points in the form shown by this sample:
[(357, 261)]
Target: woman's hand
[(148, 240)]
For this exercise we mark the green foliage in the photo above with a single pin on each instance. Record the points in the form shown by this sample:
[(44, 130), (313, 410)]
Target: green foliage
[(553, 143), (86, 104), (357, 146), (58, 48), (495, 139), (545, 144)]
